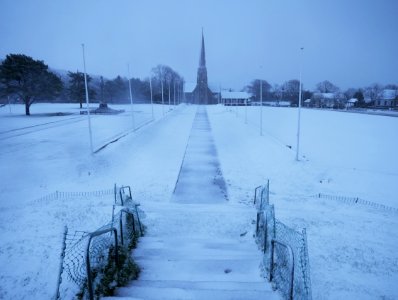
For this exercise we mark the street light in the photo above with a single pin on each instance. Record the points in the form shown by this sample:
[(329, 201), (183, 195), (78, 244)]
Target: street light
[(87, 102), (261, 102), (131, 97), (261, 107), (299, 108), (150, 87)]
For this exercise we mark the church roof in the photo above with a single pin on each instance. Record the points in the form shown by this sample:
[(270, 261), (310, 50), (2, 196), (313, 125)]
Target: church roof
[(202, 60), (189, 87)]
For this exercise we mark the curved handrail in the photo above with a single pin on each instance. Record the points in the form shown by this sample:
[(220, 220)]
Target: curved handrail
[(291, 255), (88, 266)]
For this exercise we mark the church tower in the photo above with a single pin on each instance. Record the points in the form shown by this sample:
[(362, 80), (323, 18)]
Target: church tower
[(202, 93)]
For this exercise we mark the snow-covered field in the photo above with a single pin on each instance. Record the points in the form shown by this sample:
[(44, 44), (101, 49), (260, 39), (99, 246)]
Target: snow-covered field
[(352, 247)]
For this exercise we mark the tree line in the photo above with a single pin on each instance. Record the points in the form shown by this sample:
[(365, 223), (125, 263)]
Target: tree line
[(28, 80), (289, 91)]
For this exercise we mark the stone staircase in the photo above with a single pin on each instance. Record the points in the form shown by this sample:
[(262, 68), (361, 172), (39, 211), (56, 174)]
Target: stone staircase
[(198, 245), (196, 268)]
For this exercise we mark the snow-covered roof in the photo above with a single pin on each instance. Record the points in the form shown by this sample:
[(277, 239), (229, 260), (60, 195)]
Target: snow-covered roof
[(189, 87), (307, 101), (235, 95), (328, 95), (353, 100), (325, 95), (388, 94)]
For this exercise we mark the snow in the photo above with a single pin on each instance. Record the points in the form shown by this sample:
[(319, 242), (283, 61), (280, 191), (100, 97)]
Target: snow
[(352, 248), (235, 95)]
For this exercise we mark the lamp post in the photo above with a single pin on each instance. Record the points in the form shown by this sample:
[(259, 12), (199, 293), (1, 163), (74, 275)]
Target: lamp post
[(150, 88), (161, 82), (131, 98), (174, 92), (169, 94), (299, 108), (87, 102), (261, 107)]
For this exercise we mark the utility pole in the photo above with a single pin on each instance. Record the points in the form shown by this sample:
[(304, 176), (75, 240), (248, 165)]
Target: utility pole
[(131, 97), (161, 82), (261, 107), (299, 107), (150, 87), (87, 103)]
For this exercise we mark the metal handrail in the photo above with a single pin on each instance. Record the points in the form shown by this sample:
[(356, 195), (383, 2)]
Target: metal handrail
[(61, 265), (290, 250), (88, 266), (138, 218), (265, 228), (121, 191), (127, 211), (255, 193)]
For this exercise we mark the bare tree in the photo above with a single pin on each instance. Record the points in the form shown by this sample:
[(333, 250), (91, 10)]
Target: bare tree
[(254, 88), (327, 87)]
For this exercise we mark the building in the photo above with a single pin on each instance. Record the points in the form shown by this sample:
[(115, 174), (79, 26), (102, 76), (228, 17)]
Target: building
[(201, 94), (387, 98), (235, 98), (328, 100)]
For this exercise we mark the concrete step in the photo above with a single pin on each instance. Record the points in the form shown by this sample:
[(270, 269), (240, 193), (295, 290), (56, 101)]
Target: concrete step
[(200, 269), (203, 285), (196, 249), (172, 293)]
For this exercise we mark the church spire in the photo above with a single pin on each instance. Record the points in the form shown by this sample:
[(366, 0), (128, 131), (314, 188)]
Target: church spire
[(202, 61)]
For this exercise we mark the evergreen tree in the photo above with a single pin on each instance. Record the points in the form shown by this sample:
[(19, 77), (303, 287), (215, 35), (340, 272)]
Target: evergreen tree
[(28, 79), (77, 89), (359, 96)]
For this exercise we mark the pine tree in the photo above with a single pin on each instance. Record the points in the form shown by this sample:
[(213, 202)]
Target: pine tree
[(77, 89), (29, 79)]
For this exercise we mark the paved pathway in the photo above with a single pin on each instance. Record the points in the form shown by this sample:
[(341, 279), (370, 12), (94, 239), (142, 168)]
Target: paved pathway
[(198, 245), (200, 179)]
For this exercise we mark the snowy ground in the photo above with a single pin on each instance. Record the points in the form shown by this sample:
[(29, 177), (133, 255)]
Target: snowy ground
[(352, 248)]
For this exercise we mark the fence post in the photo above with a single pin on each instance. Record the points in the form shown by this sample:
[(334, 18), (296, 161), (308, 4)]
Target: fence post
[(271, 264), (88, 265), (257, 222), (265, 233), (61, 264), (307, 262), (114, 192), (138, 218)]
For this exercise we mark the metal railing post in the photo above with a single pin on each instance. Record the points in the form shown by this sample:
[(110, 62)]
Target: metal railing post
[(291, 290), (61, 264), (88, 265)]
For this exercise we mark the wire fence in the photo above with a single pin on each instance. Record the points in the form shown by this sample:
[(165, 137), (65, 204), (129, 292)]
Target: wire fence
[(356, 200), (64, 195), (285, 259), (92, 262)]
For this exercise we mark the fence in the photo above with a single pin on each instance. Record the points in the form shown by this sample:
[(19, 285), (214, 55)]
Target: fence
[(356, 200), (285, 259), (64, 195), (95, 262)]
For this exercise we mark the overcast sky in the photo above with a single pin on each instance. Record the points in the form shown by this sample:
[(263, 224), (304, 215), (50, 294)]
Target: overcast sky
[(352, 43)]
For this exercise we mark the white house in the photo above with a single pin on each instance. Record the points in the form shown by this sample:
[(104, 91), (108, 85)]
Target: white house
[(387, 98), (235, 98), (351, 102)]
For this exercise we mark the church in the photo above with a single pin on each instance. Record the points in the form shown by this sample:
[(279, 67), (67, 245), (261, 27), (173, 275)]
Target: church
[(201, 94)]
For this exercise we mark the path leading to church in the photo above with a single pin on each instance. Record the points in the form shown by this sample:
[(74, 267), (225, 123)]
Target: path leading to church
[(198, 245), (200, 179)]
